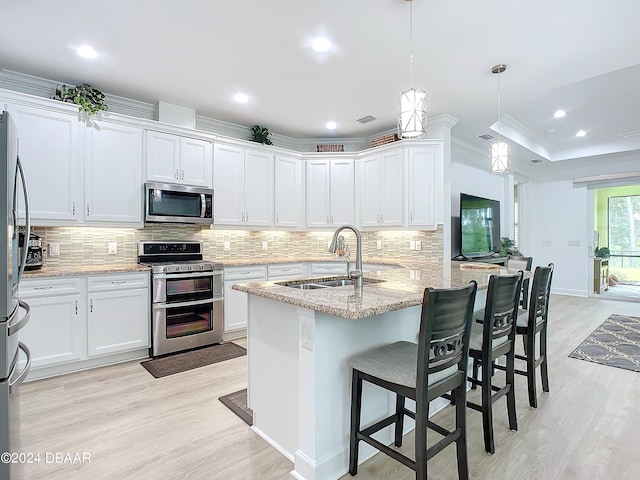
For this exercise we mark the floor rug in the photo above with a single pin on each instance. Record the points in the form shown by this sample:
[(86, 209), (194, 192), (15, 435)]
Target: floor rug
[(181, 362), (615, 343), (237, 403)]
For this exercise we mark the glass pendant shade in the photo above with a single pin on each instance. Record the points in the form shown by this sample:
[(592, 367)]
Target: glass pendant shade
[(412, 116), (500, 153)]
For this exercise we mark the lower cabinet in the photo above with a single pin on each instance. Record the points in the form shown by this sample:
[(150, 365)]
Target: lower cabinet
[(78, 322), (236, 304), (331, 268), (118, 316)]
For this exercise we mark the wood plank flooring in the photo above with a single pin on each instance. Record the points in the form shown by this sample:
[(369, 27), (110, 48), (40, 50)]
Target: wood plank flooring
[(137, 427)]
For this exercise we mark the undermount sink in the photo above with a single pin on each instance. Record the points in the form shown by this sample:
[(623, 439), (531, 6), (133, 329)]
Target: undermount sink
[(312, 284)]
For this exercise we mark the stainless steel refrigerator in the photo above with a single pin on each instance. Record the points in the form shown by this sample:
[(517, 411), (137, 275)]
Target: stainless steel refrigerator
[(14, 313)]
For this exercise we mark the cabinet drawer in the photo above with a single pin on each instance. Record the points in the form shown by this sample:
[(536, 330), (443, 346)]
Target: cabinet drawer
[(241, 274), (289, 270), (118, 282), (329, 268), (50, 287)]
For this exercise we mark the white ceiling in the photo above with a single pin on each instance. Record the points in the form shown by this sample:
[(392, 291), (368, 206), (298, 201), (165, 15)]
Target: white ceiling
[(579, 55)]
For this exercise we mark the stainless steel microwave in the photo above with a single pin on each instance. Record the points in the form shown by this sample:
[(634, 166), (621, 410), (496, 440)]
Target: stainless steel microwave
[(168, 203)]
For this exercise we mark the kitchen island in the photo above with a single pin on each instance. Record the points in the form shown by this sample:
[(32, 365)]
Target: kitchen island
[(299, 342)]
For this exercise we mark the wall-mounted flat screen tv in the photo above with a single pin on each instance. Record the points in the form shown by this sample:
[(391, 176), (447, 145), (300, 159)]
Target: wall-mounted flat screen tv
[(479, 226)]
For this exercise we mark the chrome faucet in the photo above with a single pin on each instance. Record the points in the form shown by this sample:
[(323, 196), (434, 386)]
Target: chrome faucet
[(357, 273)]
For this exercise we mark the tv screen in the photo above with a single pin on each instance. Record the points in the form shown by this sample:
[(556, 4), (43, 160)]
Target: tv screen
[(479, 226)]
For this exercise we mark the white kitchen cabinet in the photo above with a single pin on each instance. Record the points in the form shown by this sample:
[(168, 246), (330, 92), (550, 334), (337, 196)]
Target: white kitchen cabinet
[(330, 196), (424, 185), (243, 185), (380, 189), (56, 331), (51, 152), (287, 271), (177, 159), (330, 268), (113, 174), (236, 304), (118, 317), (288, 192)]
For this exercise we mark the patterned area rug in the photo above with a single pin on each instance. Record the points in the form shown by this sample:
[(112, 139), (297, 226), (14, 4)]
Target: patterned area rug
[(615, 343), (237, 403), (181, 362)]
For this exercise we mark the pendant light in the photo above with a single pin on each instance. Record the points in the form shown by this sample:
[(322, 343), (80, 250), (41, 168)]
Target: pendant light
[(500, 150), (412, 109)]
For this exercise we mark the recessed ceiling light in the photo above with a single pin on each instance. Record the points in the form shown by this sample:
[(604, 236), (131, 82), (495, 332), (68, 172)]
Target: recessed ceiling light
[(581, 133), (241, 98), (559, 114), (331, 125), (321, 44), (85, 51)]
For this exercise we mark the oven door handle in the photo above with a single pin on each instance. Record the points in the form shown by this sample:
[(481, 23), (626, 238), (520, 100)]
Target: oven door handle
[(171, 276), (187, 304)]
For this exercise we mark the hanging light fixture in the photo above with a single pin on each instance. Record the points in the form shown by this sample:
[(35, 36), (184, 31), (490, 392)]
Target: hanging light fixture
[(412, 109), (500, 150)]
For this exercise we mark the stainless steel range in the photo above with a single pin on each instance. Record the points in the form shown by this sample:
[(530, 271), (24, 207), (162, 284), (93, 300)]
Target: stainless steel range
[(186, 296)]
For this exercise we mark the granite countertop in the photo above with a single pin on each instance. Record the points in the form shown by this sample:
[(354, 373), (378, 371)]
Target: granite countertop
[(59, 271), (401, 288), (325, 259)]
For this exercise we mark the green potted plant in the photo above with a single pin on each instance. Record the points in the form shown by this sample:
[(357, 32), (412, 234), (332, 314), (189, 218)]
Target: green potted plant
[(508, 247), (261, 135), (89, 100)]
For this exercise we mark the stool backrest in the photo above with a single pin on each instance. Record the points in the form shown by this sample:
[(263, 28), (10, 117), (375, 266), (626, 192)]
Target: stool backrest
[(445, 325), (501, 309), (540, 292)]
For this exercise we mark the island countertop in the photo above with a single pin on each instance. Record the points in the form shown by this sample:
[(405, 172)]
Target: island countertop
[(400, 288)]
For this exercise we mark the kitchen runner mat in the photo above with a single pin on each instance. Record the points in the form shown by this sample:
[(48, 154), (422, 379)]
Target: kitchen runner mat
[(181, 362), (615, 343), (237, 403)]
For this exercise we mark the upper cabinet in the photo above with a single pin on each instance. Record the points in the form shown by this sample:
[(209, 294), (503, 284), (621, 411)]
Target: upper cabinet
[(51, 153), (288, 196), (380, 189), (177, 159), (113, 156), (243, 186), (330, 192), (424, 181)]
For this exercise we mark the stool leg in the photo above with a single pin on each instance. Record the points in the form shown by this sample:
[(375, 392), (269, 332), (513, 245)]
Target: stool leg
[(487, 410), (476, 367), (544, 372), (356, 407), (511, 394), (461, 425), (531, 370), (422, 416), (399, 420)]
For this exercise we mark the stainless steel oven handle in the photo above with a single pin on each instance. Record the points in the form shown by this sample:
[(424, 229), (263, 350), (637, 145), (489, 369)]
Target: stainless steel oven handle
[(187, 275), (187, 304), (16, 327), (25, 371)]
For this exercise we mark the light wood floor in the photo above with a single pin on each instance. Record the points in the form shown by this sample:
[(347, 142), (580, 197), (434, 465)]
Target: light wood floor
[(137, 427)]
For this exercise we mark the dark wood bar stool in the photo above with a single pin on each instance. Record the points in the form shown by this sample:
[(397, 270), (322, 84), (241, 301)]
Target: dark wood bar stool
[(521, 263), (421, 372), (493, 336), (531, 323)]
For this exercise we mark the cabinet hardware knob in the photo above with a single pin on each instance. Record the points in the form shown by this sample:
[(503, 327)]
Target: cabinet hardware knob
[(88, 210), (73, 208), (76, 307)]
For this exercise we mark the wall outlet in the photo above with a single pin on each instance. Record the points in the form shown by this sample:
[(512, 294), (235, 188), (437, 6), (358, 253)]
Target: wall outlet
[(112, 248), (265, 246), (227, 246), (54, 249), (379, 245), (418, 245), (546, 243), (412, 245)]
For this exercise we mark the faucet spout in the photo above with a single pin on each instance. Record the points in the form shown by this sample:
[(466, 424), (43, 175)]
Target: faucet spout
[(357, 273)]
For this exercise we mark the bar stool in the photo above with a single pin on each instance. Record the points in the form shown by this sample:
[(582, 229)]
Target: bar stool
[(521, 263), (493, 336), (421, 372)]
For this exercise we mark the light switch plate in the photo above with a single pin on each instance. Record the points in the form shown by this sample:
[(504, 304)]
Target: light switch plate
[(379, 244), (412, 245), (54, 249), (418, 245), (112, 248), (227, 246), (265, 246)]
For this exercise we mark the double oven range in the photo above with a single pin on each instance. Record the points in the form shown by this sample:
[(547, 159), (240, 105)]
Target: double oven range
[(186, 296)]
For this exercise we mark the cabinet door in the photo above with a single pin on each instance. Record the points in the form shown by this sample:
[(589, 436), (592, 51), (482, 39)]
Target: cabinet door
[(195, 162), (342, 192), (163, 157), (51, 152), (421, 184), (55, 333), (288, 199), (228, 185), (391, 188), (370, 191), (236, 308), (118, 321), (258, 188), (318, 193), (113, 174)]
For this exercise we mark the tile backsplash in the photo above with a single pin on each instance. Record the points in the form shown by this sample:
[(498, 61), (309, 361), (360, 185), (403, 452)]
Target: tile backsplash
[(89, 246)]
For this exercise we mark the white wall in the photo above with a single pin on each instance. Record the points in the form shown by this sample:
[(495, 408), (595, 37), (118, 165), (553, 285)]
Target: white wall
[(556, 219)]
